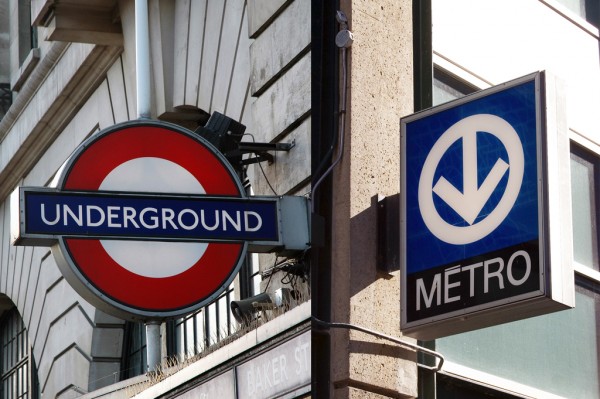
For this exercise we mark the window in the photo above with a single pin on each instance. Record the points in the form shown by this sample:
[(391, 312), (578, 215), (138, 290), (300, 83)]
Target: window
[(586, 9), (5, 92), (192, 334), (5, 99), (203, 328), (447, 87), (557, 353), (134, 350), (27, 33), (19, 374), (22, 55), (210, 325), (584, 183), (452, 388)]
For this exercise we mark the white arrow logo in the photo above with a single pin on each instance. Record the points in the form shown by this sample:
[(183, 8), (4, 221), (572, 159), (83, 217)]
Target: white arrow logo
[(469, 203)]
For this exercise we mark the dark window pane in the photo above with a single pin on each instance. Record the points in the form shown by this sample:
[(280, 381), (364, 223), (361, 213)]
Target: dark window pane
[(17, 362), (447, 87)]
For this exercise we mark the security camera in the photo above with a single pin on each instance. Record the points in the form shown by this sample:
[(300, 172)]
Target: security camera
[(244, 310)]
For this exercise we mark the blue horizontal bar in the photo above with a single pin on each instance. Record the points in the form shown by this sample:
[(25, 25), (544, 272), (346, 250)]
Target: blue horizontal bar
[(153, 217)]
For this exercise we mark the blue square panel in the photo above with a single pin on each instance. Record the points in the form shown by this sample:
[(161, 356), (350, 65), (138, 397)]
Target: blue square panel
[(471, 202)]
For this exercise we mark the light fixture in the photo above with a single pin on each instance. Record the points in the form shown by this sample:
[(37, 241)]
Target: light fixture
[(226, 135)]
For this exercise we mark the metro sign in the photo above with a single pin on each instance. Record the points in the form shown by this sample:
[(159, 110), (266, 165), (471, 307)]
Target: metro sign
[(148, 220), (479, 196)]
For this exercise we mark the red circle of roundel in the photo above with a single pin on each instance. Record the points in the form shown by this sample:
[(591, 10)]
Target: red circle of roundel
[(95, 161)]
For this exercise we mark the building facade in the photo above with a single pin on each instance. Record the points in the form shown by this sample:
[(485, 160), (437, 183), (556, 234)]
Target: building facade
[(405, 57), (68, 71), (334, 79)]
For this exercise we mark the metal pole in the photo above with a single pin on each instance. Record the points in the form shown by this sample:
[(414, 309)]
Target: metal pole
[(142, 66), (142, 59), (153, 345)]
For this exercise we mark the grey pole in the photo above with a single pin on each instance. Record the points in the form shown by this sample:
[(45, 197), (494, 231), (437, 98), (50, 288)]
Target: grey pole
[(142, 59), (142, 66), (153, 345)]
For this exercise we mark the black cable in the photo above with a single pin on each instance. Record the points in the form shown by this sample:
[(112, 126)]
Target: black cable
[(261, 168), (271, 275)]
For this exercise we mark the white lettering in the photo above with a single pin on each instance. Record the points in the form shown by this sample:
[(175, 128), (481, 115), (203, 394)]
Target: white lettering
[(236, 224), (487, 275), (129, 216), (435, 288), (160, 218), (89, 210), (78, 219), (266, 374), (247, 215), (301, 354), (111, 213), (167, 216), (180, 219), (278, 365), (209, 228), (471, 269), (509, 273), (448, 285), (152, 218), (45, 220)]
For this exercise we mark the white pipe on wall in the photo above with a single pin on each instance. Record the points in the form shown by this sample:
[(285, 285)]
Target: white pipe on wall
[(153, 344), (142, 59), (142, 66)]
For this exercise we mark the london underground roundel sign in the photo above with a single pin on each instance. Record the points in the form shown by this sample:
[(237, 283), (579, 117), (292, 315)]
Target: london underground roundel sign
[(131, 216)]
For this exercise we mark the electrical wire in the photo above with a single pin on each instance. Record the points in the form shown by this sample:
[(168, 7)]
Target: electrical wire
[(261, 168), (342, 116), (398, 341), (271, 275)]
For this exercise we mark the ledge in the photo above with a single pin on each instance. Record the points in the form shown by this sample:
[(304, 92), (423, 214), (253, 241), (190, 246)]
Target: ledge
[(243, 344), (25, 70), (252, 340), (80, 21)]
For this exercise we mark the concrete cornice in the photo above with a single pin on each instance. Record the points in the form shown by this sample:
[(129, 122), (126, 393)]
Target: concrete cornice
[(60, 84)]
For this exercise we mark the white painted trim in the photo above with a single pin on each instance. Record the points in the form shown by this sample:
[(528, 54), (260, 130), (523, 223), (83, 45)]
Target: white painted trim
[(495, 382), (463, 74), (584, 141), (571, 16), (586, 271)]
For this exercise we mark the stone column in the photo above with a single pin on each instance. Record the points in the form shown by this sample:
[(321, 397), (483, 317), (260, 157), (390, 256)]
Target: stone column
[(380, 92)]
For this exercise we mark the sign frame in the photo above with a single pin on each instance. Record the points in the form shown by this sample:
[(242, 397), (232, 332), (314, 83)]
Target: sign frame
[(552, 181)]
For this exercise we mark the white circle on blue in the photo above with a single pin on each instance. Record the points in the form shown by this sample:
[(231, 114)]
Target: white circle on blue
[(469, 201), (449, 231)]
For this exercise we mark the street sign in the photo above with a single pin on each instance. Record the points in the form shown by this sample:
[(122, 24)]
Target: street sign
[(149, 221), (52, 213), (475, 213)]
